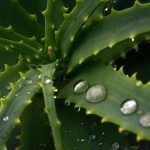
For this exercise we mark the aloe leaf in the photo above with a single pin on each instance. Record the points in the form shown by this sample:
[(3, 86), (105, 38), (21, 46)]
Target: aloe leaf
[(19, 19), (15, 103), (34, 119), (81, 131), (9, 76), (7, 57), (9, 34), (116, 93), (53, 18), (35, 7), (48, 91), (111, 30), (73, 22), (22, 48)]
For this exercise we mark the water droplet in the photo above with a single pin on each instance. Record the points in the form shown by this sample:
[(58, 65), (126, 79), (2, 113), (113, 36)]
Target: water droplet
[(28, 93), (96, 93), (16, 95), (114, 67), (6, 118), (55, 90), (47, 80), (55, 97), (28, 81), (81, 86), (145, 120), (100, 143), (138, 83), (132, 39), (128, 107), (103, 133), (8, 87), (82, 140), (40, 76), (115, 146), (92, 137), (106, 9)]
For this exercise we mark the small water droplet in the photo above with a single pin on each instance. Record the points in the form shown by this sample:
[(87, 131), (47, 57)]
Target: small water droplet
[(103, 133), (132, 39), (81, 86), (47, 80), (145, 120), (55, 97), (96, 93), (128, 107), (92, 137), (6, 118), (138, 83), (115, 146), (28, 93), (114, 67), (82, 140), (8, 87), (40, 76), (16, 95), (100, 143), (106, 9), (28, 81), (55, 90)]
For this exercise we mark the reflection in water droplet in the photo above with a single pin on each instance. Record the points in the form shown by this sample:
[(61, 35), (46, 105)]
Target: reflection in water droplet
[(47, 80), (81, 86), (8, 87), (106, 9), (115, 146), (96, 93), (28, 81), (128, 107), (145, 120), (6, 118)]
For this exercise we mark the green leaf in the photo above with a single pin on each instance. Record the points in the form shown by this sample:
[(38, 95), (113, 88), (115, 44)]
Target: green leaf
[(122, 88), (48, 91), (16, 102), (12, 13), (73, 22), (111, 30), (22, 48), (80, 131), (36, 133), (10, 76), (9, 34)]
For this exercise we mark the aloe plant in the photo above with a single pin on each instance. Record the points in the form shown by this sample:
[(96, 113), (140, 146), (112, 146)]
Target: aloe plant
[(58, 82)]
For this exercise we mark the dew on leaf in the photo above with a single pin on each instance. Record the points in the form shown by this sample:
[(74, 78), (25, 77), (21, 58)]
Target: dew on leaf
[(81, 86), (145, 120), (115, 146), (8, 87), (28, 81), (92, 137), (6, 118), (47, 80), (96, 93), (128, 107)]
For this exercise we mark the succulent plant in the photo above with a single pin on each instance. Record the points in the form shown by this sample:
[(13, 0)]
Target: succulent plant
[(59, 85)]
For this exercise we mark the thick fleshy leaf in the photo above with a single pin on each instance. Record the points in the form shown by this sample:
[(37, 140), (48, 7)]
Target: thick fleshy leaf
[(116, 89)]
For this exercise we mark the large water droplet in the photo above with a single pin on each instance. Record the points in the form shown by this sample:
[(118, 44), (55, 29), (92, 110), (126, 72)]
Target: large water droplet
[(47, 80), (6, 118), (115, 146), (81, 86), (28, 81), (128, 107), (96, 93), (145, 120)]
